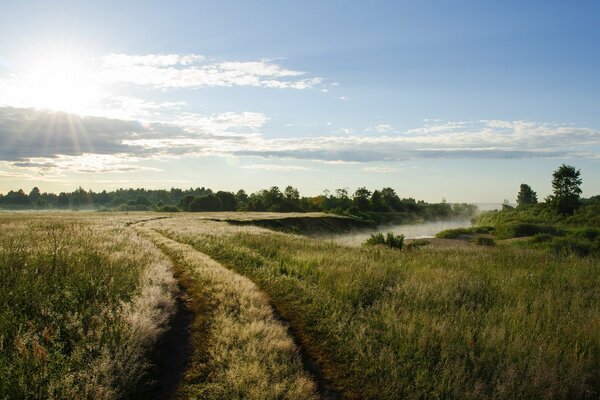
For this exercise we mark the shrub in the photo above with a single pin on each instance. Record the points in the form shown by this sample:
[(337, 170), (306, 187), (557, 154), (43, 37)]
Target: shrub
[(457, 232), (523, 229), (541, 238), (485, 241), (390, 240), (168, 208), (569, 245), (417, 243)]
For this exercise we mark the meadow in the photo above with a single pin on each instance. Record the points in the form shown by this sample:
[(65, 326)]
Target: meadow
[(466, 322), (86, 297), (83, 301)]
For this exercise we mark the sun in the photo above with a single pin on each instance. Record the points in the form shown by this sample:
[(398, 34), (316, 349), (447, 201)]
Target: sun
[(61, 82)]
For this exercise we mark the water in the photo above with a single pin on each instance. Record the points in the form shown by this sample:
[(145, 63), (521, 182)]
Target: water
[(415, 231)]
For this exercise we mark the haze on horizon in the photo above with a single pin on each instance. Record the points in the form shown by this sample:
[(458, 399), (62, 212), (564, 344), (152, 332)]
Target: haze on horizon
[(458, 100)]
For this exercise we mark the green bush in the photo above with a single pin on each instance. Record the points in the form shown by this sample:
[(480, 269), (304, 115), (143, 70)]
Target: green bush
[(523, 229), (390, 240), (570, 245), (485, 241), (457, 232), (417, 243), (541, 238)]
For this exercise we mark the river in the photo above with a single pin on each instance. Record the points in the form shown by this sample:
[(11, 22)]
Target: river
[(414, 231)]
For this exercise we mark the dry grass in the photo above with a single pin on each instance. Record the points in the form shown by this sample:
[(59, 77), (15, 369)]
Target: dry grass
[(241, 351), (82, 302), (469, 322)]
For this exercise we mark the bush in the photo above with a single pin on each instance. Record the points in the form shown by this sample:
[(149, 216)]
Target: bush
[(485, 241), (569, 245), (168, 209), (541, 238), (417, 243), (457, 232), (523, 229), (390, 240)]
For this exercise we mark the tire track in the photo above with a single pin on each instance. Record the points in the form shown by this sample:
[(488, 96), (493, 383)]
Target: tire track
[(242, 348)]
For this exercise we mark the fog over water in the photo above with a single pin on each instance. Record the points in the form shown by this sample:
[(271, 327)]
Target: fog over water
[(414, 231)]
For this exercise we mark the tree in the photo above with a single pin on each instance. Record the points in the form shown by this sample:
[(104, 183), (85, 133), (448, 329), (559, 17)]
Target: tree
[(34, 195), (228, 201), (377, 203), (361, 199), (184, 203), (565, 182), (209, 202), (526, 196)]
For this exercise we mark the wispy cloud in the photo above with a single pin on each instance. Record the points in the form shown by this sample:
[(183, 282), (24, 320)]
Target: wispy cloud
[(50, 141), (379, 170), (193, 71), (276, 167)]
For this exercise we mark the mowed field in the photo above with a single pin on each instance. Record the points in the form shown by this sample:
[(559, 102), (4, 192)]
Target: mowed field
[(87, 300)]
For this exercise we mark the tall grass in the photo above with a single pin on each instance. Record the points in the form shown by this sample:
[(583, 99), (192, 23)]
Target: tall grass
[(240, 350), (82, 302), (474, 323)]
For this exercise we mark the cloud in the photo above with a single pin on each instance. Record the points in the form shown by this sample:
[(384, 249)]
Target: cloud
[(378, 169), (276, 167), (194, 71), (343, 98), (48, 142), (383, 128)]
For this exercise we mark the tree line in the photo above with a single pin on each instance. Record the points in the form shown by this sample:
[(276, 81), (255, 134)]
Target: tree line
[(361, 202)]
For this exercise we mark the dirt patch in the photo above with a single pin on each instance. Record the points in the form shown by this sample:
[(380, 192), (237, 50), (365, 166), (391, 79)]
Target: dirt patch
[(173, 352)]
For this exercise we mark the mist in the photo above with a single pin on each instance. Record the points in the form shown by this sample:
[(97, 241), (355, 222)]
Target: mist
[(412, 231)]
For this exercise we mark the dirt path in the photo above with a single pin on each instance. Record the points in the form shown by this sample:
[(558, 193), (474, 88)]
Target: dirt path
[(173, 353), (245, 349)]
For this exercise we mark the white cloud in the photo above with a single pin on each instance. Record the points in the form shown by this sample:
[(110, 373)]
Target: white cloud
[(378, 169), (343, 98), (193, 71), (276, 167), (44, 141), (382, 128), (85, 163)]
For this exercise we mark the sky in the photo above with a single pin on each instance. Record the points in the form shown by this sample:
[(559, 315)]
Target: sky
[(461, 100)]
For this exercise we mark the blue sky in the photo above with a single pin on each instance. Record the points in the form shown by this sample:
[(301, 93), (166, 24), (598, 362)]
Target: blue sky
[(460, 100)]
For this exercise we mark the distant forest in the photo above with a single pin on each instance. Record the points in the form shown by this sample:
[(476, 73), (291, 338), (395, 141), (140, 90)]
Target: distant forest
[(378, 204)]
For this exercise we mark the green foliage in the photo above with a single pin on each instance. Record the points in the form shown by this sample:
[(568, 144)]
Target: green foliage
[(566, 181), (522, 229), (205, 203), (390, 240), (485, 241), (526, 196), (228, 201), (416, 244), (456, 233), (577, 246)]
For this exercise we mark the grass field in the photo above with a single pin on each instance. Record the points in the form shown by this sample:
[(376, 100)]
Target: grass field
[(86, 297), (82, 302), (470, 322)]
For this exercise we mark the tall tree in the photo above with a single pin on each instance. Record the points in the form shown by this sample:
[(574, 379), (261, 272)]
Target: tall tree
[(565, 182), (526, 196), (361, 198)]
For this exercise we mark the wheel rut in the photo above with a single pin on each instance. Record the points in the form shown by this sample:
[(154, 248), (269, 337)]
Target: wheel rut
[(179, 339)]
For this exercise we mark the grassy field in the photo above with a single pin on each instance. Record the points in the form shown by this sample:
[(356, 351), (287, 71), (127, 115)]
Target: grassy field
[(85, 299), (471, 322), (240, 349), (82, 302)]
